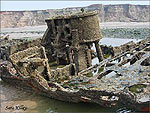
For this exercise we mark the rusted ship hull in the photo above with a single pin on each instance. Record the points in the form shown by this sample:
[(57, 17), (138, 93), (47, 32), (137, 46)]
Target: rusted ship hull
[(76, 96), (129, 87), (60, 94)]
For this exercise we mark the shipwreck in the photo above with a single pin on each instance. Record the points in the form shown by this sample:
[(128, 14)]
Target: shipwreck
[(59, 65)]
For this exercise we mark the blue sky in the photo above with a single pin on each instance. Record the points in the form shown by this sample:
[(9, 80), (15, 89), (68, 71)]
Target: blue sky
[(42, 5)]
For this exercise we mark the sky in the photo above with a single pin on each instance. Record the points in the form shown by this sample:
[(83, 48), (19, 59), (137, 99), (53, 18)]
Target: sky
[(42, 5)]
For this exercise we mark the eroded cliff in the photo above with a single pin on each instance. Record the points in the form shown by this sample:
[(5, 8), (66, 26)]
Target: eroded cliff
[(108, 13)]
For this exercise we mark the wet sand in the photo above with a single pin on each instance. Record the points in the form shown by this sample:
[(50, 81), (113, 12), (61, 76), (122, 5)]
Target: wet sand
[(102, 25), (12, 97), (38, 31)]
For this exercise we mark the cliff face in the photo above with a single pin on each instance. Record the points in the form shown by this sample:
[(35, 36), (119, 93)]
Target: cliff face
[(22, 18), (108, 13), (125, 13)]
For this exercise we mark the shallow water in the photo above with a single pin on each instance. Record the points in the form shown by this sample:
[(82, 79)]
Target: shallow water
[(117, 41), (34, 103), (13, 98)]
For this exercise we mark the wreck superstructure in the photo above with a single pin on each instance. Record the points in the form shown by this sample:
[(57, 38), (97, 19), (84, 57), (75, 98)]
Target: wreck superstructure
[(8, 47), (69, 38), (59, 65)]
